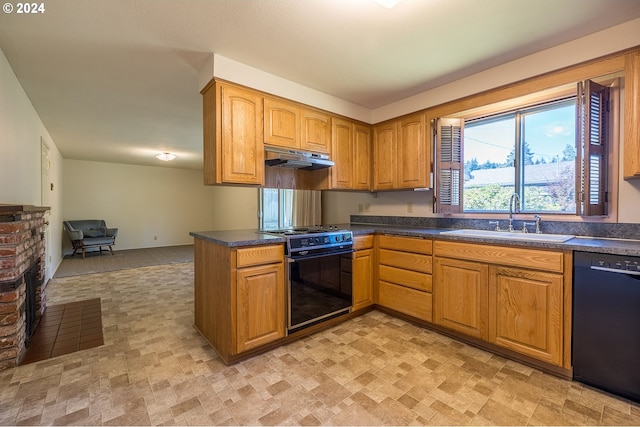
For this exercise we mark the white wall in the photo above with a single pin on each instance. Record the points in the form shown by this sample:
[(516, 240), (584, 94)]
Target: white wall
[(153, 206), (338, 206), (21, 131)]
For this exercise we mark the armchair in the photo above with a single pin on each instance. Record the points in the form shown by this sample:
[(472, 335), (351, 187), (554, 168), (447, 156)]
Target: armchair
[(90, 233)]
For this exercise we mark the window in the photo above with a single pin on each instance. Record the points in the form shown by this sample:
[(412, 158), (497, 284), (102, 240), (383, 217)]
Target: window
[(532, 151), (284, 208)]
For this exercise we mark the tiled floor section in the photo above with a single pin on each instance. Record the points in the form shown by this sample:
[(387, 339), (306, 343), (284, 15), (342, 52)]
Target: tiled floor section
[(154, 369), (66, 328)]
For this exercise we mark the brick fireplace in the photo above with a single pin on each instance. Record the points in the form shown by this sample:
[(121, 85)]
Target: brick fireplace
[(22, 287)]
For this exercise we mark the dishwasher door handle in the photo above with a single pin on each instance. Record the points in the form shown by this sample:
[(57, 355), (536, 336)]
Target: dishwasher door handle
[(615, 270)]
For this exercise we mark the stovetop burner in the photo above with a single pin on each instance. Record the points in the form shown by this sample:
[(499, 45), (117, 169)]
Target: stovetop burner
[(303, 241)]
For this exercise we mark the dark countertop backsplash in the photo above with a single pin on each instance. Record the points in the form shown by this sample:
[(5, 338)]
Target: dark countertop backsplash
[(607, 230)]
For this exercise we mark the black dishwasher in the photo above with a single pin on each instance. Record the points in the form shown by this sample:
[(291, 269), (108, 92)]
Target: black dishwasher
[(606, 322)]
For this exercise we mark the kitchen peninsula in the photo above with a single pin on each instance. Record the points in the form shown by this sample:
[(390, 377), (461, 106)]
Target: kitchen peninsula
[(505, 296)]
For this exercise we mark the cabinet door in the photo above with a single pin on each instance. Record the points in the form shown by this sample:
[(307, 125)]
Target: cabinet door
[(316, 131), (362, 278), (241, 136), (260, 308), (460, 296), (412, 147), (384, 156), (526, 312), (632, 116), (361, 157), (342, 154), (281, 123)]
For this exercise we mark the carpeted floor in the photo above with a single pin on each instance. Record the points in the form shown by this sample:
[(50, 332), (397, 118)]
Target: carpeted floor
[(96, 262)]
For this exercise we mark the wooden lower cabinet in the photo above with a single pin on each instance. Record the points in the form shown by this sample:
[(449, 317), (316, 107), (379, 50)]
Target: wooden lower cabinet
[(239, 296), (362, 277), (404, 275), (405, 300), (516, 305), (461, 298), (526, 312), (260, 313)]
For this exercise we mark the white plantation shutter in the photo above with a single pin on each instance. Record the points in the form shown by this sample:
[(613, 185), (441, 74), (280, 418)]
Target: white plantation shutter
[(593, 128), (449, 162)]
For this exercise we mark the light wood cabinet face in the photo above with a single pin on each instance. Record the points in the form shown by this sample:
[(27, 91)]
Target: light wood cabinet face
[(526, 312), (342, 154), (351, 152), (362, 278), (384, 156), (361, 157), (260, 312), (241, 136), (460, 292), (281, 123), (404, 275), (412, 148), (513, 297), (401, 153), (405, 300), (316, 131), (632, 116)]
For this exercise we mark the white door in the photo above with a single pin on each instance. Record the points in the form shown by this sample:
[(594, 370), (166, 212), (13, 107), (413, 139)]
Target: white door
[(46, 188)]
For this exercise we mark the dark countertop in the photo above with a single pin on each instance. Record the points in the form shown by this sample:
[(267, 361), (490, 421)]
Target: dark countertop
[(234, 238)]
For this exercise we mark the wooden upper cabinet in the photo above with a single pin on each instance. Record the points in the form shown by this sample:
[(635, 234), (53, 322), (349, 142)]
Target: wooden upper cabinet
[(412, 152), (385, 137), (401, 153), (281, 123), (351, 152), (342, 149), (316, 131), (632, 116), (233, 135), (361, 157)]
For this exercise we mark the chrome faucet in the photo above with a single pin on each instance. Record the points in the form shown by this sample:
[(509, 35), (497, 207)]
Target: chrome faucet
[(537, 218), (513, 208)]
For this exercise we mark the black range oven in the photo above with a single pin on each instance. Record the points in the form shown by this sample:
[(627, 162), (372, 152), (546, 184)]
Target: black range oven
[(318, 276)]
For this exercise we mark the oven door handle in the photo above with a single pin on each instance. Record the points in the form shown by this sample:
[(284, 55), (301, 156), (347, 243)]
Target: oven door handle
[(303, 257)]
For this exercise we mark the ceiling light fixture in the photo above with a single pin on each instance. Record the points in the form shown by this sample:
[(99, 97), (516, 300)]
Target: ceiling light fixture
[(166, 156), (387, 3)]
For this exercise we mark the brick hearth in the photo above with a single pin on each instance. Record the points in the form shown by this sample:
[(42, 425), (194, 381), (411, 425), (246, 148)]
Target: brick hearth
[(22, 258)]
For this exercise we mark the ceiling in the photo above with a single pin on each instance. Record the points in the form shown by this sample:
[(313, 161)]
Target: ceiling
[(117, 80)]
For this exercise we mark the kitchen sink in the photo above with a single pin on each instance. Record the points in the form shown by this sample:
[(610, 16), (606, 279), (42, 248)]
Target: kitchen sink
[(506, 235)]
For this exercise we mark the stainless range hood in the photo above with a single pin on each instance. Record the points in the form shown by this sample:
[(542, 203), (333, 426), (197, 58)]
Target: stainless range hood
[(295, 159)]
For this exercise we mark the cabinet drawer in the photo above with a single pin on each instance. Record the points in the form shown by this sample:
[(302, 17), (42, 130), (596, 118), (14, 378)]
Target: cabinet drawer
[(406, 300), (407, 260), (259, 255), (412, 279), (362, 242), (546, 260), (406, 244)]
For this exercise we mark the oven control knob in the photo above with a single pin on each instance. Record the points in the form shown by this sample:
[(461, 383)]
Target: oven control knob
[(339, 238)]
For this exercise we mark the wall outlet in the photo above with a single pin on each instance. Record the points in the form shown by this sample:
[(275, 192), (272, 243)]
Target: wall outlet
[(360, 207), (155, 237), (366, 207), (409, 207)]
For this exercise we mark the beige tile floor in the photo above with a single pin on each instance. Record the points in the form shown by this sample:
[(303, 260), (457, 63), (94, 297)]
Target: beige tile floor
[(154, 369)]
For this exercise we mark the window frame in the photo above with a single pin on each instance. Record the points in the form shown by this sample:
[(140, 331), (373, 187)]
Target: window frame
[(549, 87), (519, 115)]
